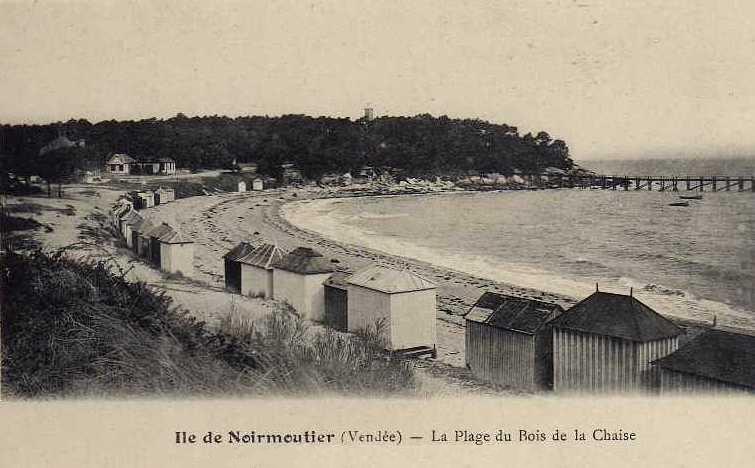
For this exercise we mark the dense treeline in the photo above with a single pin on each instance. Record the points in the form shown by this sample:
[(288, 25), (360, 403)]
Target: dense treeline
[(419, 145)]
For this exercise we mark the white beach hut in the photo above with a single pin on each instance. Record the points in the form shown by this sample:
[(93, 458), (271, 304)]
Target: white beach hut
[(176, 253), (298, 278), (257, 270), (403, 302), (241, 187), (257, 184)]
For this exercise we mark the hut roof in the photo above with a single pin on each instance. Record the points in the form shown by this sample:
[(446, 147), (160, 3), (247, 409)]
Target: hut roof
[(389, 281), (241, 249), (175, 237), (159, 230), (512, 313), (142, 225), (338, 280), (264, 256), (305, 261), (132, 219), (716, 354), (617, 315)]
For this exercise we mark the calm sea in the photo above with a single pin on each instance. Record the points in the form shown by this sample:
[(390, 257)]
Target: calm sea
[(692, 262)]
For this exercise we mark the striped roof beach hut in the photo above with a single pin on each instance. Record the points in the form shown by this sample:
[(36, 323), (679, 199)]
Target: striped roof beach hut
[(606, 343), (257, 276), (298, 277), (403, 302), (716, 361), (176, 252), (232, 267), (508, 341)]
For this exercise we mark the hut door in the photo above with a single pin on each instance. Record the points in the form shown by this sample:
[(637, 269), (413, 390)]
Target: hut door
[(154, 248), (233, 275)]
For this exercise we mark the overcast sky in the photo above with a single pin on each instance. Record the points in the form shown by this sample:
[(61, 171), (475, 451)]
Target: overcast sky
[(640, 80)]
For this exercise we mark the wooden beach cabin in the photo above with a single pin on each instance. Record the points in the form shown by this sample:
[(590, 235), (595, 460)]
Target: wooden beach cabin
[(404, 303), (232, 266), (143, 240), (298, 278), (241, 186), (176, 253), (714, 362), (508, 341), (163, 195), (606, 342), (257, 184), (337, 301), (154, 242), (136, 233), (257, 270), (131, 220), (144, 200)]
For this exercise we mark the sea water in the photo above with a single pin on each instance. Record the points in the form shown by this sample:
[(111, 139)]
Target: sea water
[(694, 262)]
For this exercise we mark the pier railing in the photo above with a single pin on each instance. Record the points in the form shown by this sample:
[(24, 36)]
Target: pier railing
[(661, 183)]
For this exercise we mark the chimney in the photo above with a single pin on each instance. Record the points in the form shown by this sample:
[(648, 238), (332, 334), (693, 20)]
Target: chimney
[(596, 287)]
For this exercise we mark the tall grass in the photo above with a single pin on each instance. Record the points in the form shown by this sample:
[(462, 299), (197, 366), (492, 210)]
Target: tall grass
[(77, 328)]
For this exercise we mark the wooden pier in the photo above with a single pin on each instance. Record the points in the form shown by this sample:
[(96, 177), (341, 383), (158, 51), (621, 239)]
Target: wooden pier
[(659, 183)]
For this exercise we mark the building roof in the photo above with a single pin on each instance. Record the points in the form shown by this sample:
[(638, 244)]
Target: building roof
[(338, 280), (147, 160), (305, 261), (238, 251), (174, 237), (619, 316), (716, 354), (122, 157), (132, 219), (389, 281), (143, 225), (159, 230), (264, 256), (512, 313)]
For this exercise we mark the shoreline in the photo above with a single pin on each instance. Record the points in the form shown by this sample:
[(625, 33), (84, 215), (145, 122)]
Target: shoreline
[(449, 298)]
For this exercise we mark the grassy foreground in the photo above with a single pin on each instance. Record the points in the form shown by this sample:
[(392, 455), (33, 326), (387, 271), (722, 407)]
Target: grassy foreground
[(79, 329)]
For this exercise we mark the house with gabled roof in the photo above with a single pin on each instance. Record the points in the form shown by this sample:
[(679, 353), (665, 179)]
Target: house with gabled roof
[(606, 343), (714, 362), (508, 341), (401, 304), (120, 164), (257, 272)]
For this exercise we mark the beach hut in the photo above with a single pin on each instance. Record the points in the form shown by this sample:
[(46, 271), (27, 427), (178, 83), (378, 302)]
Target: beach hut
[(136, 231), (508, 341), (241, 186), (143, 200), (606, 342), (154, 242), (257, 184), (714, 362), (163, 196), (176, 253), (257, 270), (401, 302), (232, 266), (142, 239), (131, 220), (121, 215), (298, 278), (337, 301)]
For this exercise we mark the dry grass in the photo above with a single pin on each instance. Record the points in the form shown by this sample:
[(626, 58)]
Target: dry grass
[(77, 329)]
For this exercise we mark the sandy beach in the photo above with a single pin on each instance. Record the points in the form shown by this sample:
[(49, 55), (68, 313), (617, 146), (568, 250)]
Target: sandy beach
[(217, 223)]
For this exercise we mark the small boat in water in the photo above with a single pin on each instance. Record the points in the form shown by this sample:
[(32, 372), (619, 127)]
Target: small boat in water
[(691, 197), (681, 203)]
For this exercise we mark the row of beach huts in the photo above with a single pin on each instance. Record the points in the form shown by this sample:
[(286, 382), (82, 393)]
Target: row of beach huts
[(606, 343), (159, 243)]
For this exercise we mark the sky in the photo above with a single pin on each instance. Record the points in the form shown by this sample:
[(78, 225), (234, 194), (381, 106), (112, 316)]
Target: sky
[(613, 79)]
